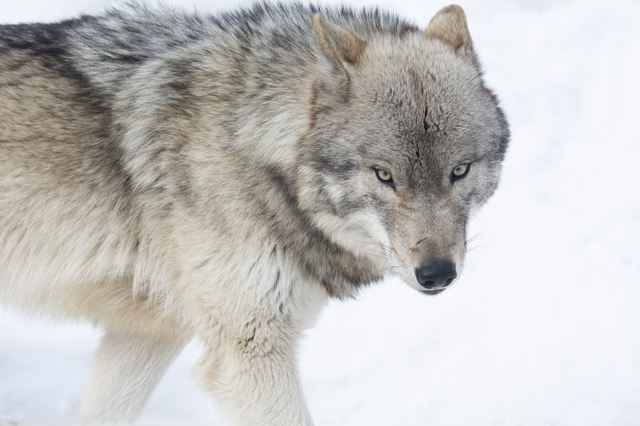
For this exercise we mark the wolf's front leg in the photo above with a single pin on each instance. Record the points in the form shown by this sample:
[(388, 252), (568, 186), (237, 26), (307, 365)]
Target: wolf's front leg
[(256, 386), (126, 370)]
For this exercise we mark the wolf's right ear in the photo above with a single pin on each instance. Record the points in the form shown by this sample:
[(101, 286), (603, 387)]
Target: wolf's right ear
[(341, 49), (450, 26)]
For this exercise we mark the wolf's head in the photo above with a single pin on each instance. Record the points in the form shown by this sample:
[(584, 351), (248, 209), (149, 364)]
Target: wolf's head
[(405, 143)]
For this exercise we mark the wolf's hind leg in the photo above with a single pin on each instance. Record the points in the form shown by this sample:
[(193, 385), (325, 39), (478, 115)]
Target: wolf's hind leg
[(126, 370)]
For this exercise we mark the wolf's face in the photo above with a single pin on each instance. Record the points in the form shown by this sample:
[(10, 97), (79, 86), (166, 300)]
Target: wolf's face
[(400, 155)]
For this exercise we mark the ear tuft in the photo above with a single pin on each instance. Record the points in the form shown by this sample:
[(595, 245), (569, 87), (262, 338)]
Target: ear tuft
[(450, 26), (342, 45)]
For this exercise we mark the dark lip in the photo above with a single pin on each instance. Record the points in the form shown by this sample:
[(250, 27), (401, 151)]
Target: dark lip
[(433, 292)]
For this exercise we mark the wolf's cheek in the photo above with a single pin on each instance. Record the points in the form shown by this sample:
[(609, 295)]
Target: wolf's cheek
[(362, 233), (481, 186)]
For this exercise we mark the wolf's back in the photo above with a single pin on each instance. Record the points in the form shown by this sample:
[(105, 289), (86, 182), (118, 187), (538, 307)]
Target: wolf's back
[(105, 49)]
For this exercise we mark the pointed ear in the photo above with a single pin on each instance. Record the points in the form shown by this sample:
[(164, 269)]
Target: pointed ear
[(340, 44), (450, 26), (341, 48)]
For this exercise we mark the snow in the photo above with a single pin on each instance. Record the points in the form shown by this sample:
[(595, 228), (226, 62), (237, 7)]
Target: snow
[(543, 328)]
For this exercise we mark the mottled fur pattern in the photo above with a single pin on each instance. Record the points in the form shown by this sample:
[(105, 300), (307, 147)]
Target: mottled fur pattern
[(167, 175)]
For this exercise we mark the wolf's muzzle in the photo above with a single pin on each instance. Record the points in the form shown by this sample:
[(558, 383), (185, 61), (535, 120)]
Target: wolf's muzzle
[(437, 274)]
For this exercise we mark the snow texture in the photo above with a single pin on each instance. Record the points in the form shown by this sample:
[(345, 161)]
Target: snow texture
[(543, 328)]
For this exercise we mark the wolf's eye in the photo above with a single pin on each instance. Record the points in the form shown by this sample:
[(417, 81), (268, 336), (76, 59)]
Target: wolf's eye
[(384, 177), (459, 172)]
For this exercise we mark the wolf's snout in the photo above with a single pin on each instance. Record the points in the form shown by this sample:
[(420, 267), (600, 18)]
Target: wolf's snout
[(436, 274)]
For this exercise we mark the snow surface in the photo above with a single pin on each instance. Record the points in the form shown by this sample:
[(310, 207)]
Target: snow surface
[(543, 328)]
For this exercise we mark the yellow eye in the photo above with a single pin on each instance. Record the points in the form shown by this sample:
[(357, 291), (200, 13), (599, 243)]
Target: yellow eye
[(460, 170), (384, 176)]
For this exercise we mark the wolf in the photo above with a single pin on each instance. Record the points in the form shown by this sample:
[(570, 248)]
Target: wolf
[(169, 175)]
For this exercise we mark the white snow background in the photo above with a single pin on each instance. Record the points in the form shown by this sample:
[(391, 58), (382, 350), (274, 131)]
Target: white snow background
[(544, 326)]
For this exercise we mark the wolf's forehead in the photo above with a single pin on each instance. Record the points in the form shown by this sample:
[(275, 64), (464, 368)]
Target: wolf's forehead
[(421, 100), (425, 56), (426, 100), (418, 74)]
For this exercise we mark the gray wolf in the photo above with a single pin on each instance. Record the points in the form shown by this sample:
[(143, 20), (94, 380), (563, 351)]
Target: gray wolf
[(168, 175)]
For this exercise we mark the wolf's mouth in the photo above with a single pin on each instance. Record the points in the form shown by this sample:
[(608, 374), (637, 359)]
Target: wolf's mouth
[(433, 292)]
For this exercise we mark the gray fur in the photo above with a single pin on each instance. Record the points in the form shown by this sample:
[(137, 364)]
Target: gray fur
[(167, 175)]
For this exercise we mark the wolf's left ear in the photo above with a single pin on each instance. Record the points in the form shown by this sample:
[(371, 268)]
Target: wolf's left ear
[(340, 44), (450, 26), (340, 49)]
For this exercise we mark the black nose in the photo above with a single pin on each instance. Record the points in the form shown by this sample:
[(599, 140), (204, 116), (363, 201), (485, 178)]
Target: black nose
[(436, 274)]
